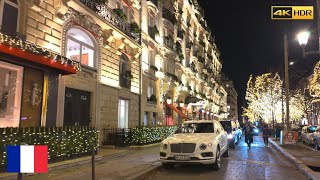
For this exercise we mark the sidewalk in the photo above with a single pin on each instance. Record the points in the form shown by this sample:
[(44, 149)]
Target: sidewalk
[(302, 156), (110, 164)]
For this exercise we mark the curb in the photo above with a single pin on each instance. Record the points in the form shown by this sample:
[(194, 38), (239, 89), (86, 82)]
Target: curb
[(299, 164), (143, 174), (145, 146)]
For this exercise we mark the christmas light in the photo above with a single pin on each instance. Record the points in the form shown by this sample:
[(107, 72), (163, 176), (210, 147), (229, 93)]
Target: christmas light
[(63, 142), (32, 48)]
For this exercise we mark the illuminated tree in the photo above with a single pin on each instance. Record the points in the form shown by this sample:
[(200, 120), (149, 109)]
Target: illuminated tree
[(263, 96), (315, 83)]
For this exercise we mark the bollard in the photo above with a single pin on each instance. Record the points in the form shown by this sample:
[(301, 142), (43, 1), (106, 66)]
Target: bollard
[(93, 160)]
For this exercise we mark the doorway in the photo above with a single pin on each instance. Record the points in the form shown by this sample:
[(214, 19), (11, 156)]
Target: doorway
[(76, 108)]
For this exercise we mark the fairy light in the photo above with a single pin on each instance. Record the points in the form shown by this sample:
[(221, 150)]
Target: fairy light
[(63, 142), (33, 48)]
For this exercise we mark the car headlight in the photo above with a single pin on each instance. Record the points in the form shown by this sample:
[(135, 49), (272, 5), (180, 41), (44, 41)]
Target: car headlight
[(165, 146), (256, 130), (203, 146), (230, 136)]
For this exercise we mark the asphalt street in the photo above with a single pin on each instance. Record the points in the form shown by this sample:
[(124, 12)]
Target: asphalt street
[(259, 162)]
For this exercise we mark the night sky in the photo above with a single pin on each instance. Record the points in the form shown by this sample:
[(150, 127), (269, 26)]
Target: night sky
[(250, 42)]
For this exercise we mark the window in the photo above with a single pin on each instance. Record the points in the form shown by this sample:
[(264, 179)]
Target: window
[(80, 47), (124, 72), (151, 20), (9, 13), (10, 94), (123, 113), (146, 118), (150, 90)]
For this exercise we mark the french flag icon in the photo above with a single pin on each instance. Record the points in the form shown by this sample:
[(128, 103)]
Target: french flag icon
[(27, 159)]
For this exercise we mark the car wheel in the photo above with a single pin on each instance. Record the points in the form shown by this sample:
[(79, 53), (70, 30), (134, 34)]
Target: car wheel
[(167, 166), (316, 145), (226, 153), (216, 165)]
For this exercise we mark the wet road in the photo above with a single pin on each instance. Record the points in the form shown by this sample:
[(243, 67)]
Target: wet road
[(259, 162)]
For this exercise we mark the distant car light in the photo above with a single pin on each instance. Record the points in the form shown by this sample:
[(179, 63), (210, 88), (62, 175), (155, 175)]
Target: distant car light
[(256, 130), (230, 136)]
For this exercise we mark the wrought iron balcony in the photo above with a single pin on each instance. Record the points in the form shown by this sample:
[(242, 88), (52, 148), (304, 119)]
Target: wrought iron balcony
[(108, 14), (180, 34)]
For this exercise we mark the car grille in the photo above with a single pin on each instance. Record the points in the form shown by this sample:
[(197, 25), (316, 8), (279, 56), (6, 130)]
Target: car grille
[(183, 148)]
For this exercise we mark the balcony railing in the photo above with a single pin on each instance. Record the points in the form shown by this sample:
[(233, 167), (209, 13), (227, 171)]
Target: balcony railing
[(108, 14), (124, 81), (152, 31)]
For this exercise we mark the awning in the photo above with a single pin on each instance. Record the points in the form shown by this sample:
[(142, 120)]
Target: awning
[(183, 116), (30, 52)]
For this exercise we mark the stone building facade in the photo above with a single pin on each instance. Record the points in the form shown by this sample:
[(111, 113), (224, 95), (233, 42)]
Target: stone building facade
[(181, 64), (105, 93), (232, 98)]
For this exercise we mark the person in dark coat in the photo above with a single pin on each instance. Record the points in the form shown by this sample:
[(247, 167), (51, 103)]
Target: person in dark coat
[(248, 135), (266, 134)]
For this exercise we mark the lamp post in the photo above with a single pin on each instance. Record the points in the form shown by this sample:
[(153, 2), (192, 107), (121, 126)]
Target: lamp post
[(286, 68)]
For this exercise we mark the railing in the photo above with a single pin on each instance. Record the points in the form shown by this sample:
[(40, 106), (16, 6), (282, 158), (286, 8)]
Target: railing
[(107, 13), (124, 81)]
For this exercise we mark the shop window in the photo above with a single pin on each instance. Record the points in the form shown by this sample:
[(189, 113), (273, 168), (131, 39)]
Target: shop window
[(10, 94), (9, 13), (123, 113), (80, 47)]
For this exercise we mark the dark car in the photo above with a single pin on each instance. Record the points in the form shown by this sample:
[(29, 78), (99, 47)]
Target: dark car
[(234, 133)]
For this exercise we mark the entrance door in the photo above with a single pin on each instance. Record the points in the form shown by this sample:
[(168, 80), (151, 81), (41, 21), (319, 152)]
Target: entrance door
[(76, 108)]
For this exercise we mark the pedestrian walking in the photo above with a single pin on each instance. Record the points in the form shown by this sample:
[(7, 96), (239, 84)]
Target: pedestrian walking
[(248, 135), (266, 134)]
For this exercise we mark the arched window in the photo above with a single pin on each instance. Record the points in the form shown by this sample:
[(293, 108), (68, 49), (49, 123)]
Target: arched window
[(80, 47), (125, 74), (9, 13)]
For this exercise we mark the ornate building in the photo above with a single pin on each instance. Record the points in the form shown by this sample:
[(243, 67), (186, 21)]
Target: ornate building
[(102, 36), (181, 64), (232, 98)]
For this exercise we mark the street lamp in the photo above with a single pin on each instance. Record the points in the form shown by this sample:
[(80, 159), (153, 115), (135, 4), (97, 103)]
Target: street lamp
[(303, 38)]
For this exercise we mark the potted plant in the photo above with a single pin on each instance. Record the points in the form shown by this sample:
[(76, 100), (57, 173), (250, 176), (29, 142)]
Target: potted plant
[(134, 27), (120, 13), (153, 98)]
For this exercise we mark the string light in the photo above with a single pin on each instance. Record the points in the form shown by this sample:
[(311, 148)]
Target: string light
[(148, 135), (63, 142), (31, 47)]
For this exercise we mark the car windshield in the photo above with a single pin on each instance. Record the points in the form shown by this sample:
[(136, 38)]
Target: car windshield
[(226, 126), (195, 128)]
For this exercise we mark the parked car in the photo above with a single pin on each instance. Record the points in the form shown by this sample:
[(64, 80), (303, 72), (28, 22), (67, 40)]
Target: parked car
[(316, 138), (195, 142), (307, 134), (233, 132)]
